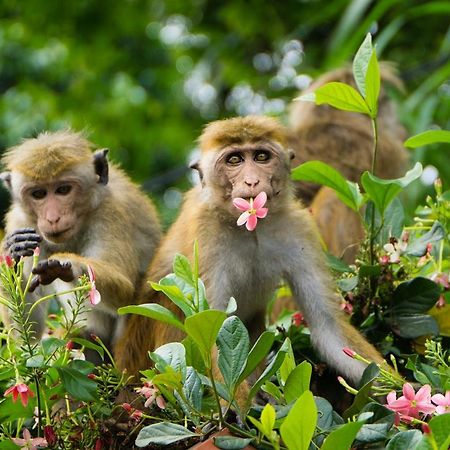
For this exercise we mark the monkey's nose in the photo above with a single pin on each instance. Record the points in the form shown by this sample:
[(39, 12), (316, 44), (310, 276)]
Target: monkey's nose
[(251, 182), (53, 220)]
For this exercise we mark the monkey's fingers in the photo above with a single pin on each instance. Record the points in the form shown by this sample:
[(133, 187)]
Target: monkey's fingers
[(35, 282), (22, 237), (22, 249)]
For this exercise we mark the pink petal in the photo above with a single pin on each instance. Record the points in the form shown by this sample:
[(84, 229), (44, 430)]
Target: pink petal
[(261, 213), (161, 402), (91, 273), (426, 408), (243, 218), (442, 409), (439, 399), (251, 222), (241, 204), (94, 296), (408, 391), (423, 393), (391, 397), (260, 200)]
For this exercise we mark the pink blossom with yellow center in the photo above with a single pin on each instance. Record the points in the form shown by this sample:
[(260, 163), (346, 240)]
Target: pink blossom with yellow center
[(252, 210)]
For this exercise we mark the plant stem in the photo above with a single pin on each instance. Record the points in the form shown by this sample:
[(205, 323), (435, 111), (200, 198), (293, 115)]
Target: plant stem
[(216, 396)]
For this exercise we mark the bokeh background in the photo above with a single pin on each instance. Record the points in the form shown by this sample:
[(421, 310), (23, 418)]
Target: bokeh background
[(144, 76)]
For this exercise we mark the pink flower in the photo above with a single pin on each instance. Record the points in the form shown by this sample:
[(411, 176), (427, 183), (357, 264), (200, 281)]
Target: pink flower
[(411, 403), (440, 302), (253, 210), (28, 442), (441, 279), (443, 403), (6, 260), (347, 307), (20, 389), (94, 295), (134, 413), (349, 352), (151, 393)]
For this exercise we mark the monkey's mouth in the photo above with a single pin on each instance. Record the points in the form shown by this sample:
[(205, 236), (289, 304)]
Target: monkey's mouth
[(57, 235)]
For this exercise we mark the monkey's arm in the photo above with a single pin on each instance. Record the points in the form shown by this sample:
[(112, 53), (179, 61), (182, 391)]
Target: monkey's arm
[(312, 288)]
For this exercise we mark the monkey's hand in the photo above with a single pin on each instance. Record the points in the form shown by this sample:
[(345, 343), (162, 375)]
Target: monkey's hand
[(49, 270), (22, 242)]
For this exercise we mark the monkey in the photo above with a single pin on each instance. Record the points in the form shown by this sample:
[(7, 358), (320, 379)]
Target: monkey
[(240, 158), (344, 140), (80, 211)]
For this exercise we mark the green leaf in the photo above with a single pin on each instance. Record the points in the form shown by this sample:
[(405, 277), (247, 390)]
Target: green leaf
[(405, 440), (418, 247), (361, 63), (337, 264), (382, 192), (163, 433), (380, 421), (233, 343), (341, 96), (321, 173), (173, 355), (348, 284), (270, 369), (232, 306), (427, 138), (153, 311), (193, 356), (193, 388), (182, 269), (203, 328), (272, 389), (231, 442), (298, 381), (298, 428), (373, 85), (267, 418), (258, 352), (343, 437), (440, 426), (287, 366), (77, 384), (51, 344), (89, 344), (412, 326), (178, 291), (415, 296)]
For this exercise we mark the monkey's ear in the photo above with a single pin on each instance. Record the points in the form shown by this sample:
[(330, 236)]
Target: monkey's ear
[(196, 165), (5, 177), (101, 165), (291, 153)]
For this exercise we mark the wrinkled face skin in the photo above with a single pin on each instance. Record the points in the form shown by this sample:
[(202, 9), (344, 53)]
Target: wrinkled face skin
[(246, 170), (56, 206)]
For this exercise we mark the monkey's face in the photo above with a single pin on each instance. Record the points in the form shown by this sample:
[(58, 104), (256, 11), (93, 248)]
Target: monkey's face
[(56, 207), (246, 170)]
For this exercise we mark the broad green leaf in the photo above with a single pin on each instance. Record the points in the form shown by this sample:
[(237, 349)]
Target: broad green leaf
[(337, 264), (440, 426), (258, 352), (193, 355), (233, 343), (288, 365), (270, 369), (382, 192), (308, 97), (418, 247), (373, 85), (415, 296), (342, 437), (203, 328), (348, 284), (298, 428), (272, 389), (51, 344), (173, 355), (77, 384), (153, 311), (321, 173), (427, 138), (8, 445), (182, 268), (89, 344), (380, 421), (232, 306), (193, 388), (361, 63), (298, 381), (267, 418), (178, 291), (412, 326), (231, 442), (341, 96), (163, 433), (405, 440), (393, 223)]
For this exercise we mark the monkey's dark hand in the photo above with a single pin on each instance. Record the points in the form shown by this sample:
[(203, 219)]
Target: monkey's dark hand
[(49, 270), (22, 242)]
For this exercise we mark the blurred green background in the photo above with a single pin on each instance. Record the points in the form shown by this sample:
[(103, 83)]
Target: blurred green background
[(144, 76)]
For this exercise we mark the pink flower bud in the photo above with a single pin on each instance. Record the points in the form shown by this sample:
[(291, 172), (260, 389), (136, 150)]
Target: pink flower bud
[(426, 428), (37, 251), (50, 436), (92, 376), (9, 261), (349, 352), (297, 319), (70, 345)]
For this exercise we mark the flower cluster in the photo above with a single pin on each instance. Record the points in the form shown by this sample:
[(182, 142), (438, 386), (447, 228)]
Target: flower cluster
[(152, 394), (416, 405)]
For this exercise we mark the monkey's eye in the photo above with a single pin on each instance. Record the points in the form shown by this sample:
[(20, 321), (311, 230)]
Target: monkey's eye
[(64, 189), (261, 156), (38, 194), (234, 159)]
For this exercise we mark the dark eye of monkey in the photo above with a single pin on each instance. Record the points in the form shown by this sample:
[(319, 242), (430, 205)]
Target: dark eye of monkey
[(38, 194), (64, 189), (261, 156), (234, 159)]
